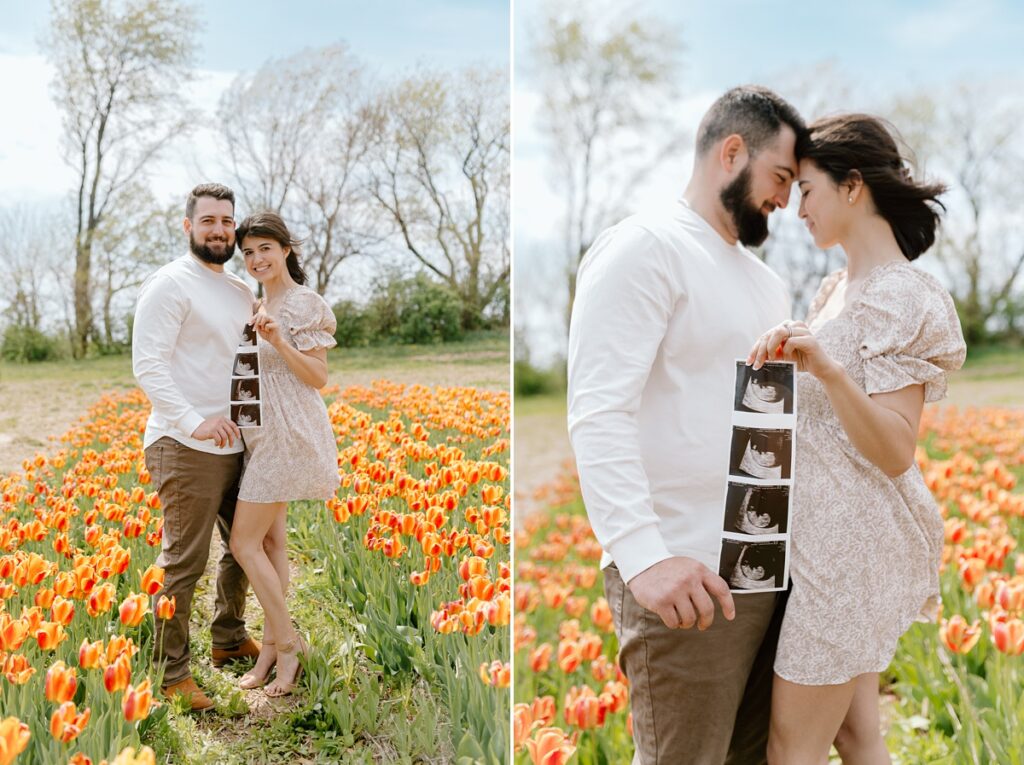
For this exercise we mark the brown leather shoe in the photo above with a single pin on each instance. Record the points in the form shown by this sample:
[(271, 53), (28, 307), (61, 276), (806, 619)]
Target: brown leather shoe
[(198, 701), (249, 649)]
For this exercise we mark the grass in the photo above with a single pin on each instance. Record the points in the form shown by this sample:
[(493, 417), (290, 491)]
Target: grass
[(485, 347)]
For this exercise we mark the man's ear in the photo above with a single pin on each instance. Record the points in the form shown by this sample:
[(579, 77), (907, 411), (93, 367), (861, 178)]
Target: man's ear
[(733, 153), (186, 225)]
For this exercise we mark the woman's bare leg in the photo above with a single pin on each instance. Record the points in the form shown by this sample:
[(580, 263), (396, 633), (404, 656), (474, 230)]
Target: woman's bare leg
[(859, 740), (252, 523), (805, 719)]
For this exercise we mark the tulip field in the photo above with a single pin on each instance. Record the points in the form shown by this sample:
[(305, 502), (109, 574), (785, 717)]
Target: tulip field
[(953, 694), (403, 586)]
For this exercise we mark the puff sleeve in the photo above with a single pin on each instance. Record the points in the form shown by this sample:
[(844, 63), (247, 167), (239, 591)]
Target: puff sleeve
[(309, 320), (910, 332)]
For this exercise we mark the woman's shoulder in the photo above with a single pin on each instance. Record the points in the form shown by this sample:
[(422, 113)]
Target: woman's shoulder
[(303, 299), (904, 277)]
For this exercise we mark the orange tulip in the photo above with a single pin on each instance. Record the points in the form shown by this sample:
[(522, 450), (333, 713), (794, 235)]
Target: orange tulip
[(80, 758), (550, 746), (66, 723), (569, 656), (14, 736), (133, 609), (138, 701), (50, 635), (90, 655), (100, 599), (62, 610), (165, 606), (118, 674), (601, 615), (583, 708), (540, 657), (544, 709), (61, 683), (12, 632), (146, 756), (1007, 634), (496, 674), (152, 580), (16, 669), (957, 635)]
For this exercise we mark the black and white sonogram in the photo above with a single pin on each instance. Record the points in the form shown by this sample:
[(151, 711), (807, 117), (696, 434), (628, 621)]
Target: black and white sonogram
[(245, 389), (765, 453), (753, 565), (753, 509), (246, 415), (247, 365), (768, 390)]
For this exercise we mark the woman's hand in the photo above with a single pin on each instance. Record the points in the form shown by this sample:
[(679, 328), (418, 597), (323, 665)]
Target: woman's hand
[(267, 327), (793, 341)]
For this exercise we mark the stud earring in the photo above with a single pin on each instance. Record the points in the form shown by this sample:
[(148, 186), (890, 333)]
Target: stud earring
[(850, 199)]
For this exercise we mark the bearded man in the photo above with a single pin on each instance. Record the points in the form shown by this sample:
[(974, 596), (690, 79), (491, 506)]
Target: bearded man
[(665, 304)]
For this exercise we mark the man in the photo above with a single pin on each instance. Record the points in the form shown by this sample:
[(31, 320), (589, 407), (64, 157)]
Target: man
[(665, 304), (188, 324)]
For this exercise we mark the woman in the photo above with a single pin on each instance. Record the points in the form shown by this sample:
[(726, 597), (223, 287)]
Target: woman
[(293, 454), (866, 534)]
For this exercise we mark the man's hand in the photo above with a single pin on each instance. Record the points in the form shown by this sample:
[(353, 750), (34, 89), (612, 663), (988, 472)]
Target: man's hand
[(220, 429), (679, 590)]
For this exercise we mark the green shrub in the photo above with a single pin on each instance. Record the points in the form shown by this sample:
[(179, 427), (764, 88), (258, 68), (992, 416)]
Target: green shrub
[(28, 344), (531, 381), (415, 310), (354, 324)]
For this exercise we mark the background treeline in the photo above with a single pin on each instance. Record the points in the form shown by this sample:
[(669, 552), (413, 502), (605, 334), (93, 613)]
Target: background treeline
[(613, 119), (399, 188)]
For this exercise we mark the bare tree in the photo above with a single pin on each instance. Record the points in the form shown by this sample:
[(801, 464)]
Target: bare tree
[(441, 173), (129, 246), (605, 83), (297, 133), (119, 69), (29, 247), (971, 137)]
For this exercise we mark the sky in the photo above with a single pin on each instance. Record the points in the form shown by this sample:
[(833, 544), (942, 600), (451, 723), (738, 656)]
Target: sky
[(879, 48), (390, 37)]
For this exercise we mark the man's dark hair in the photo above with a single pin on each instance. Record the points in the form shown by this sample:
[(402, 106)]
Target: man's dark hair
[(215, 190), (752, 112)]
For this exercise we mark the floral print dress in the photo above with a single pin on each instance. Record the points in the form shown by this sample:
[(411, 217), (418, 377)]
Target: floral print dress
[(866, 548), (293, 455)]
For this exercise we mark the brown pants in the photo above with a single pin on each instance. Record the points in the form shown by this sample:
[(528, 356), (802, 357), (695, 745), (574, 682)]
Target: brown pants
[(196, 491), (698, 698)]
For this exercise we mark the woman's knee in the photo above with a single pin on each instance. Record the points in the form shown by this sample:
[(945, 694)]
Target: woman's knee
[(853, 737), (242, 548)]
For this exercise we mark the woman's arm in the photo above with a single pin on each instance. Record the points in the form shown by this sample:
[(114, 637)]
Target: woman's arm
[(308, 366), (883, 426)]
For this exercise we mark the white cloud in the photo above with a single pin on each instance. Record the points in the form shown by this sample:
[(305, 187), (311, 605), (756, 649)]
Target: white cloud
[(939, 25), (32, 167)]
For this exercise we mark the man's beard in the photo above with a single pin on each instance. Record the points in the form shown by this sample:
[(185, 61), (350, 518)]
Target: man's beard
[(204, 253), (751, 224)]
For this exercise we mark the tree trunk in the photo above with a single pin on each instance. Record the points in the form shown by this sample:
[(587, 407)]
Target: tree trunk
[(83, 304)]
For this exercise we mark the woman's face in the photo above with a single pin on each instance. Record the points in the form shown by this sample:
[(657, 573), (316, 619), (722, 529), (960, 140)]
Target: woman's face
[(824, 208), (752, 572), (264, 258), (761, 521), (765, 458)]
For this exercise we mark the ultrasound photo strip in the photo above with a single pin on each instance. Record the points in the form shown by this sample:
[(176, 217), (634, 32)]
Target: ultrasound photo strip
[(246, 407), (755, 537)]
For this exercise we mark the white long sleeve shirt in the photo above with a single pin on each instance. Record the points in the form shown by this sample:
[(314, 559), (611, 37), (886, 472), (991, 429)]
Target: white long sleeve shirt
[(664, 306), (188, 323)]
